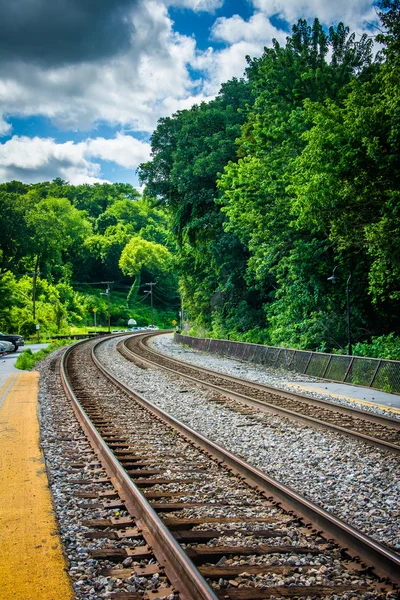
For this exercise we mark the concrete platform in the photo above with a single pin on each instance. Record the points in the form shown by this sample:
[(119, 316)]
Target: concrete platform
[(390, 403), (32, 566)]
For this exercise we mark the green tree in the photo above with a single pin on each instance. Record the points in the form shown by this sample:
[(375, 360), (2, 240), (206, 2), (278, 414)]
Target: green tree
[(188, 151), (289, 261), (15, 232), (57, 228), (140, 254)]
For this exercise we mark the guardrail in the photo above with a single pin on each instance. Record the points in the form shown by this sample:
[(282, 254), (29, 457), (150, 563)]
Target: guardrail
[(78, 336), (375, 373)]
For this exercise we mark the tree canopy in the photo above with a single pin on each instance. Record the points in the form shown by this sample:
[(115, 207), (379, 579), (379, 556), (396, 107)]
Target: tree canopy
[(285, 175)]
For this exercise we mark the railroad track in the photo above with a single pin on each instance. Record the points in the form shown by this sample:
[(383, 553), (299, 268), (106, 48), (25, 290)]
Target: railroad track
[(377, 430), (184, 501)]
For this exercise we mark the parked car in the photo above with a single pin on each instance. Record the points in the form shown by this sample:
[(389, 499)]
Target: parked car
[(16, 340), (3, 350), (9, 346)]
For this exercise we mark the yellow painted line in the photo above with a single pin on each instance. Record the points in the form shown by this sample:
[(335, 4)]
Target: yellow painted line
[(32, 566), (391, 409), (5, 388)]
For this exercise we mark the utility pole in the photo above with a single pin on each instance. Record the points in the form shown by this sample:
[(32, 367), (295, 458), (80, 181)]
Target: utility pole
[(181, 315), (150, 291), (333, 278), (349, 344), (35, 275), (107, 293), (34, 295)]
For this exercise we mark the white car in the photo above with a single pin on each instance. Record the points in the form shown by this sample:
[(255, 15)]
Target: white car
[(8, 346)]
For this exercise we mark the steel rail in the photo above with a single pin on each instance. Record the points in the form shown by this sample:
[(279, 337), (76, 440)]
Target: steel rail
[(179, 569), (381, 559), (374, 418), (264, 406)]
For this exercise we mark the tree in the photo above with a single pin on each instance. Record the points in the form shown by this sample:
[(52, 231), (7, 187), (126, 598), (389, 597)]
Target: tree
[(15, 232), (57, 227), (288, 259), (140, 254), (188, 151)]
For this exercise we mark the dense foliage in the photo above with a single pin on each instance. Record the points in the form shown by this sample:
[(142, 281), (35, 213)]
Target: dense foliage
[(254, 198), (289, 173), (59, 243)]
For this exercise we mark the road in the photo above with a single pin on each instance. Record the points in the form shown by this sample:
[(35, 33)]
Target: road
[(7, 362)]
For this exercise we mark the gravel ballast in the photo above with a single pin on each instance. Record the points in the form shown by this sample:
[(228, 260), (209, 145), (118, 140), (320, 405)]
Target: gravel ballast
[(357, 482), (65, 447), (279, 378)]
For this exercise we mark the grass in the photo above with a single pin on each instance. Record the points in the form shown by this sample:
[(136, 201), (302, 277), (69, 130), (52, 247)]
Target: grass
[(28, 359)]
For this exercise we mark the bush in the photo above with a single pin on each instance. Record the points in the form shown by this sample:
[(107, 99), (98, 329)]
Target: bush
[(27, 359), (383, 346)]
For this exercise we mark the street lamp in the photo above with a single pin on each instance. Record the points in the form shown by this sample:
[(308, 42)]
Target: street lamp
[(334, 278)]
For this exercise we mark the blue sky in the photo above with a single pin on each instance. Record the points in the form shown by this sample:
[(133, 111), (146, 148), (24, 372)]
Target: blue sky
[(82, 90)]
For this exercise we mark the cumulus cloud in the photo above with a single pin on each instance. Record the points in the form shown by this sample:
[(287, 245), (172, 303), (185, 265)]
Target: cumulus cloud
[(128, 89), (258, 29), (37, 159), (5, 127), (354, 13), (241, 38)]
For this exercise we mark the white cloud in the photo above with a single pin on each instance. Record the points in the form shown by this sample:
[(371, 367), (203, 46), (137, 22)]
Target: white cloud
[(242, 38), (128, 89), (196, 5), (124, 150), (353, 13), (258, 29), (38, 159), (150, 80)]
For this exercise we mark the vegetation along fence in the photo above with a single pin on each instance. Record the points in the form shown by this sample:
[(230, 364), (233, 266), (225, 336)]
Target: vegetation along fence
[(356, 370), (78, 336)]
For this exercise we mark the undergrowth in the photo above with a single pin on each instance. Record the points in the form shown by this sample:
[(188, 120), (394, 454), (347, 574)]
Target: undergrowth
[(28, 359)]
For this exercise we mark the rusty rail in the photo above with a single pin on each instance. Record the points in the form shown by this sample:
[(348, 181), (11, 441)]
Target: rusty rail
[(264, 406), (384, 561), (181, 572)]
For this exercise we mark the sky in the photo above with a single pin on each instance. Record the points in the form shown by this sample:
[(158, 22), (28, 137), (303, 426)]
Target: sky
[(84, 82)]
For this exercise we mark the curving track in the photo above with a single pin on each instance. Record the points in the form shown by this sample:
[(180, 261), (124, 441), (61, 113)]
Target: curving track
[(377, 430), (189, 502)]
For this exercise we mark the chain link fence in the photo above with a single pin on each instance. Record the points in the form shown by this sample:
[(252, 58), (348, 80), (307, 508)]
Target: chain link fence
[(376, 373)]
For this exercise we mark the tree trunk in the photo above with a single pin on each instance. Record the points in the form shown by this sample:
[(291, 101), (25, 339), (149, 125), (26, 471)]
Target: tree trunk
[(133, 292)]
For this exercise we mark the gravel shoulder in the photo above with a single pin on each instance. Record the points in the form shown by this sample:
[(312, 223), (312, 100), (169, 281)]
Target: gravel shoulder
[(357, 482)]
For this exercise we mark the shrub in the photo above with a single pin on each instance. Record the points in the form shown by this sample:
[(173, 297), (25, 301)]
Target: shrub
[(383, 346), (27, 359)]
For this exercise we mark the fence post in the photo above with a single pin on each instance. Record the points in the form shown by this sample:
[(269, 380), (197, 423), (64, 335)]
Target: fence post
[(348, 369), (327, 365), (291, 360), (308, 363), (375, 372), (277, 357)]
